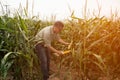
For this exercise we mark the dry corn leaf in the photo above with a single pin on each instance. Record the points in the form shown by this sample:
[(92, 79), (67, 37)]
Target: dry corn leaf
[(69, 46)]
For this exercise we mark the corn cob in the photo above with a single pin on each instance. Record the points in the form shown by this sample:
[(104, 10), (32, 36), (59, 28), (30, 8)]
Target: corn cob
[(65, 52)]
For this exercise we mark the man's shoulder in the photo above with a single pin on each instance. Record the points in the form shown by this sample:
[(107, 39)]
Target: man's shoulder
[(47, 27)]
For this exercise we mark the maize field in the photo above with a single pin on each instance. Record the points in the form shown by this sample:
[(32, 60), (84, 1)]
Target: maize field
[(93, 53)]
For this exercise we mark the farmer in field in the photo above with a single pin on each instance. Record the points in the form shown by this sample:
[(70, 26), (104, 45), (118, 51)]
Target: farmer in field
[(43, 45)]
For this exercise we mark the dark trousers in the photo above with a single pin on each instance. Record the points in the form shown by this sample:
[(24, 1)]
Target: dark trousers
[(43, 55)]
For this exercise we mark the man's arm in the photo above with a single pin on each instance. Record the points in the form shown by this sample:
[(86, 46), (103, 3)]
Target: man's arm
[(62, 41), (55, 51)]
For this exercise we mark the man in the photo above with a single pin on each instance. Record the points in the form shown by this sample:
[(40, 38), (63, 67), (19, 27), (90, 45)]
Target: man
[(43, 45)]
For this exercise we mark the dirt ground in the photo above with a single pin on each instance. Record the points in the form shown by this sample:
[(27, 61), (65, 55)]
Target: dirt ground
[(60, 72), (63, 73)]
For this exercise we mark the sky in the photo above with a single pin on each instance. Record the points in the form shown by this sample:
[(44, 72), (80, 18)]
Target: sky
[(62, 9)]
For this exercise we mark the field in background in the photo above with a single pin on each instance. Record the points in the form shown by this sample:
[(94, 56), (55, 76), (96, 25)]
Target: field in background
[(94, 55)]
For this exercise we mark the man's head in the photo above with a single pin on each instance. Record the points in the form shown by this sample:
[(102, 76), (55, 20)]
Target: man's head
[(58, 26)]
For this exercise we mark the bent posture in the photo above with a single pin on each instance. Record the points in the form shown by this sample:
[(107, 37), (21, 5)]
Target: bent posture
[(43, 45)]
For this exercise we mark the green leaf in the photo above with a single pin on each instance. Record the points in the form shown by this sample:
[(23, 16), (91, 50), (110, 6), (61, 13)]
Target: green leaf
[(7, 62), (3, 27), (22, 23)]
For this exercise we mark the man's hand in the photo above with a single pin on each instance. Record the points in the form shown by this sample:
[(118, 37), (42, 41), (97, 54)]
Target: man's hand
[(63, 42), (58, 53), (66, 43)]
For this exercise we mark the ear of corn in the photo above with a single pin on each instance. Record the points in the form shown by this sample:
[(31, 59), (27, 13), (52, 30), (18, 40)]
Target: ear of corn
[(65, 52)]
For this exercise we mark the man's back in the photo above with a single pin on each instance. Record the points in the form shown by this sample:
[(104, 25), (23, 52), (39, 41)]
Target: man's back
[(46, 35)]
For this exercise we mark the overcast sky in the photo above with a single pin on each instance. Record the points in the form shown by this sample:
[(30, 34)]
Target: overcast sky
[(63, 8)]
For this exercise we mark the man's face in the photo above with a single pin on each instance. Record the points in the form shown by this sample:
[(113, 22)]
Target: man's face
[(58, 29)]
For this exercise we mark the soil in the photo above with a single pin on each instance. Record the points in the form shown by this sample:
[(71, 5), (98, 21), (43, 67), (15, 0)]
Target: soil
[(64, 73)]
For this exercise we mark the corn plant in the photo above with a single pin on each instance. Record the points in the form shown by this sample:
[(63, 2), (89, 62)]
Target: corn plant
[(94, 46)]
